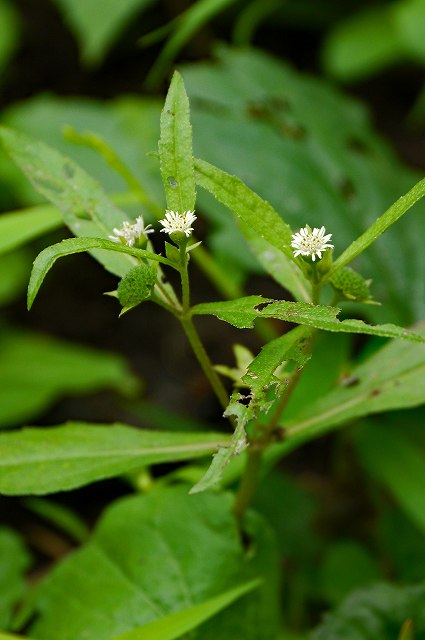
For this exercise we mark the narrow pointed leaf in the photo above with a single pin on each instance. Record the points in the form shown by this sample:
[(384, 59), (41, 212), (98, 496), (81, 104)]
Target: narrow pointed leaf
[(258, 378), (85, 207), (175, 149), (47, 460), (176, 624), (243, 312), (257, 217), (46, 259), (399, 208)]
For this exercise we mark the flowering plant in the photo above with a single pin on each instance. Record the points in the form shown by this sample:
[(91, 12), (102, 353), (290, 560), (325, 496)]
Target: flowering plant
[(265, 419)]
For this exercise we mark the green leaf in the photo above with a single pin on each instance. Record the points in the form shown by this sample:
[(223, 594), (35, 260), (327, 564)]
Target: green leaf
[(258, 218), (47, 460), (321, 317), (346, 566), (60, 516), (18, 227), (37, 370), (106, 589), (396, 462), (46, 259), (310, 171), (98, 30), (175, 149), (242, 312), (14, 270), (399, 208), (259, 378), (14, 561), (393, 378), (377, 612), (176, 624), (344, 54), (9, 33), (85, 207), (183, 28)]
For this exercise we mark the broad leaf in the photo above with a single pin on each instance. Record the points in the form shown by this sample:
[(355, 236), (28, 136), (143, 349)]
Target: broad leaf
[(393, 378), (47, 460), (14, 560), (46, 259), (258, 219), (397, 463), (377, 612), (107, 589), (98, 30), (176, 624), (242, 312), (37, 370), (15, 268), (19, 227), (85, 207), (175, 149)]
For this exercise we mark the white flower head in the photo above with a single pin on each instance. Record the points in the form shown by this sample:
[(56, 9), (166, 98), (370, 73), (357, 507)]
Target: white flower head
[(131, 234), (174, 221), (311, 243)]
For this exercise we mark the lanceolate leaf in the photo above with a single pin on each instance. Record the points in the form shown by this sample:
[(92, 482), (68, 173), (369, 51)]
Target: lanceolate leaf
[(243, 311), (85, 207), (175, 149), (258, 378), (399, 208), (47, 460), (179, 623), (257, 217), (46, 259)]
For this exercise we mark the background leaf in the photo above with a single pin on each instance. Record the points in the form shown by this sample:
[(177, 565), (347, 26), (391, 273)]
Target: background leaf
[(36, 370), (14, 561), (392, 378), (196, 543), (19, 227), (85, 207), (47, 460), (97, 30), (395, 461), (377, 612)]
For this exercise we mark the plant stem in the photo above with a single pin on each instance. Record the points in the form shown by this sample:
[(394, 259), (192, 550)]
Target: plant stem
[(184, 278), (249, 481), (204, 361)]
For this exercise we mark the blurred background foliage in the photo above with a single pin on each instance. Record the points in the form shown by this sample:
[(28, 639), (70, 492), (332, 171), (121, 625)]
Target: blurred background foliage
[(319, 106)]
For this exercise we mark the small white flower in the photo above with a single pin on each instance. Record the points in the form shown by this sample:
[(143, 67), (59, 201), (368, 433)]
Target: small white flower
[(311, 243), (131, 234), (174, 221)]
